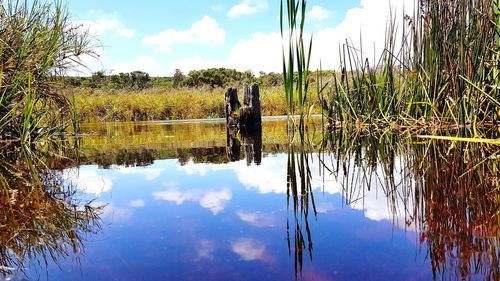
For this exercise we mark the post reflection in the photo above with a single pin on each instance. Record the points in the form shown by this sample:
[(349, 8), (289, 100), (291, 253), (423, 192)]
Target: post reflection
[(251, 143)]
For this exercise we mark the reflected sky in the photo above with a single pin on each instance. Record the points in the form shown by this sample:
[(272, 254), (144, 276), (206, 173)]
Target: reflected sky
[(203, 221), (178, 209)]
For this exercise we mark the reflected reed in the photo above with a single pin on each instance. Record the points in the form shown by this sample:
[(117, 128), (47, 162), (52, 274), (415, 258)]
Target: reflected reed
[(446, 191), (42, 218)]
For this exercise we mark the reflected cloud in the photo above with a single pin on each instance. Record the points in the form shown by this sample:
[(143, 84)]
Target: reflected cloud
[(137, 203), (215, 201), (249, 249), (89, 180), (324, 207), (201, 169), (148, 173), (116, 214), (272, 176), (257, 219), (205, 250)]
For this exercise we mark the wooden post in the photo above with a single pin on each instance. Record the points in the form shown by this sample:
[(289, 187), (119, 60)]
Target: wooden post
[(231, 104), (250, 113)]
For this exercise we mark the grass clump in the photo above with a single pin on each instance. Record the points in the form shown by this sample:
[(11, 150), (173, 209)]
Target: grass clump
[(444, 72), (38, 44)]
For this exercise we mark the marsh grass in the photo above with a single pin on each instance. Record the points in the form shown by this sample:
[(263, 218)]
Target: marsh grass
[(38, 44), (160, 104), (440, 69)]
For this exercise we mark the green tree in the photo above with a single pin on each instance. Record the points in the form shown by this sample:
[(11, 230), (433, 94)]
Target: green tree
[(178, 78)]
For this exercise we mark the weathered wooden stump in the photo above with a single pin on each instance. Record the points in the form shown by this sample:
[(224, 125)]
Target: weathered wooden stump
[(249, 115), (233, 147), (248, 119), (231, 104)]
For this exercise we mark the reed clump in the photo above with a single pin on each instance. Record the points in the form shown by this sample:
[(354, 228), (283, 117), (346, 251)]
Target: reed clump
[(440, 69), (38, 44)]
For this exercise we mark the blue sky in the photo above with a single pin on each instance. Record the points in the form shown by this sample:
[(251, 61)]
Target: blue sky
[(160, 36)]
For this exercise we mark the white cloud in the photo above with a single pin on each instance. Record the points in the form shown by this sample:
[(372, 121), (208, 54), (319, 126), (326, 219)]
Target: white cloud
[(125, 32), (137, 203), (87, 62), (215, 201), (102, 24), (89, 180), (263, 51), (196, 62), (204, 31), (248, 7), (318, 13), (249, 249), (142, 63)]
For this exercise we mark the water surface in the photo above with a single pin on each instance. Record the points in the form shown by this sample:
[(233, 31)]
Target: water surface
[(190, 202)]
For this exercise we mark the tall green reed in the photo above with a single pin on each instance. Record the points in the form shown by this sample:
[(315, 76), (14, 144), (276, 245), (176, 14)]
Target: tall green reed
[(296, 57), (439, 69), (39, 44)]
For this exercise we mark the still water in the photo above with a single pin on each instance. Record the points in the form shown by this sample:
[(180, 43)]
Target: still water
[(189, 201)]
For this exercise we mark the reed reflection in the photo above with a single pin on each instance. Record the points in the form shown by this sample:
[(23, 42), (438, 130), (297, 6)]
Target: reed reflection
[(42, 218), (300, 193), (445, 191)]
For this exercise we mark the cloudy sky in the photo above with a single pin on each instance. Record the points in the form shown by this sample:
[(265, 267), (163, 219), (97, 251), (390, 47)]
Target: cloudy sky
[(159, 36)]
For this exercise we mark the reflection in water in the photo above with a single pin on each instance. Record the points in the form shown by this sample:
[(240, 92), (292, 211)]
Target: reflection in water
[(447, 192), (300, 192), (42, 220), (251, 139), (201, 216)]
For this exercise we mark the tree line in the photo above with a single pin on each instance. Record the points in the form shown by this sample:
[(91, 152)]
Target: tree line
[(139, 80)]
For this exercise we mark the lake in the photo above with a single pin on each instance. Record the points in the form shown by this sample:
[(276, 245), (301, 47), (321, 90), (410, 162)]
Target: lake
[(191, 201)]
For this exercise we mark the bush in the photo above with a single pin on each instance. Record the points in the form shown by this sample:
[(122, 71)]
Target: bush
[(217, 77)]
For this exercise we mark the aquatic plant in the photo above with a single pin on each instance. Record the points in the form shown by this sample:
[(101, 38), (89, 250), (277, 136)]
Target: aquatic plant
[(440, 69), (296, 57), (39, 44)]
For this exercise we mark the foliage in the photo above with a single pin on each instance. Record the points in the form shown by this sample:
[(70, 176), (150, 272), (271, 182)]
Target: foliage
[(444, 73), (178, 78), (217, 77), (38, 43)]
